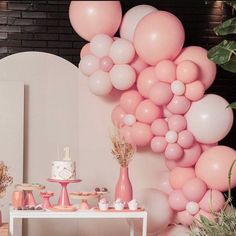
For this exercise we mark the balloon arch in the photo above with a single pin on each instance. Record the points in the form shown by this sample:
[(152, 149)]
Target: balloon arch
[(163, 104)]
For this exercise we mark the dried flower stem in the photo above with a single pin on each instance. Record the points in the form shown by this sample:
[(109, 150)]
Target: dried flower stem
[(5, 179)]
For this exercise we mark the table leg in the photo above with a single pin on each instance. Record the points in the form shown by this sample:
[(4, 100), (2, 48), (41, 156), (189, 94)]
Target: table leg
[(131, 227), (144, 226), (11, 226)]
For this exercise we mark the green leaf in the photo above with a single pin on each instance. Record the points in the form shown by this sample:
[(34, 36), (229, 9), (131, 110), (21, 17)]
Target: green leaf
[(231, 65), (231, 3), (222, 53), (232, 105), (227, 27)]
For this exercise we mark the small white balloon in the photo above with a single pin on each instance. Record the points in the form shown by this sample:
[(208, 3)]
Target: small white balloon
[(129, 119), (171, 136), (178, 87), (192, 208), (122, 51), (89, 64), (100, 83), (100, 45), (122, 76)]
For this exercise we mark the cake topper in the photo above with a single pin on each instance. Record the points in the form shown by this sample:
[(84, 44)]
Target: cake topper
[(67, 154)]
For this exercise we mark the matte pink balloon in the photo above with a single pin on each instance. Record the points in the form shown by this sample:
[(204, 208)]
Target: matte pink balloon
[(179, 176), (177, 123), (205, 147), (89, 18), (177, 200), (117, 116), (187, 71), (184, 218), (106, 64), (146, 79), (166, 112), (194, 189), (147, 112), (160, 93), (141, 134), (179, 105), (213, 167), (209, 216), (85, 50), (185, 139), (129, 101), (170, 164), (199, 56), (163, 183), (159, 127), (165, 71), (158, 144), (173, 151), (138, 64), (194, 91), (213, 201), (126, 133), (153, 39)]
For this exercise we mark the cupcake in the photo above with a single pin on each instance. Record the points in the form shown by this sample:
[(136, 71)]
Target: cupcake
[(133, 205), (119, 204), (103, 204)]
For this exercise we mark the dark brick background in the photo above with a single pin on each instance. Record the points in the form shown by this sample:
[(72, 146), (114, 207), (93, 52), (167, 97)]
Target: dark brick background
[(44, 26)]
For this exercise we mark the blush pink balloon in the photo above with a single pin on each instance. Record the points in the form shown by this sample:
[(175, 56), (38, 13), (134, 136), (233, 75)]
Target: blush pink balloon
[(159, 127), (173, 151), (179, 176), (194, 189), (184, 218), (177, 123), (185, 139), (213, 167), (194, 91), (106, 64), (117, 116), (170, 164), (85, 50), (158, 144), (163, 183), (205, 147), (147, 112), (129, 101), (89, 18), (126, 133), (213, 201), (165, 71), (179, 105), (198, 55), (141, 134), (153, 39), (160, 93), (146, 79), (138, 64), (177, 200)]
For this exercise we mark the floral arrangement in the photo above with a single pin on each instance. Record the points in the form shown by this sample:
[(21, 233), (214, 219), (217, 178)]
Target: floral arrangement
[(5, 179), (121, 150)]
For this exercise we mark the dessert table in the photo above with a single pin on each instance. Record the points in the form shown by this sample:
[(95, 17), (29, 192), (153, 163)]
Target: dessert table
[(86, 214)]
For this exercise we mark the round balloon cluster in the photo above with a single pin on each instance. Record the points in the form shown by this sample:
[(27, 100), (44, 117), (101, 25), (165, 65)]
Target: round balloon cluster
[(163, 104)]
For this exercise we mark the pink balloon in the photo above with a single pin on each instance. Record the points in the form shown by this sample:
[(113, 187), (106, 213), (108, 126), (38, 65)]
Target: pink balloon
[(170, 164), (209, 120), (194, 189), (177, 200), (179, 105), (159, 212), (153, 39), (205, 147), (89, 64), (158, 144), (85, 50), (138, 64), (187, 71), (89, 18), (117, 116), (165, 71), (147, 112), (129, 101), (177, 123), (141, 134), (163, 183), (179, 176), (213, 167), (198, 55), (175, 230), (126, 133), (213, 201), (173, 151), (106, 64), (185, 218), (195, 90), (160, 93), (147, 78), (159, 127), (185, 139)]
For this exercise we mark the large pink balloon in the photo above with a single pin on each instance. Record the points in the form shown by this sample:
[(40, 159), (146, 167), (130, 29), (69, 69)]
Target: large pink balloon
[(198, 55), (175, 230), (131, 19), (163, 183), (159, 212), (213, 167), (89, 18), (209, 120), (153, 39)]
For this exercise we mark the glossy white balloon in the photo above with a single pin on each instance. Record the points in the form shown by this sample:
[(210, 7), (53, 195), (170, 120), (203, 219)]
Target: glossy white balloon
[(129, 119), (171, 136), (178, 87), (192, 208)]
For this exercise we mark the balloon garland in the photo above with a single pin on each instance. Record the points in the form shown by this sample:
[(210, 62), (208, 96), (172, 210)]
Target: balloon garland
[(163, 104)]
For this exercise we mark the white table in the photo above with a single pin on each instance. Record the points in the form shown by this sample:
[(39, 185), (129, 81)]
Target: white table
[(89, 214)]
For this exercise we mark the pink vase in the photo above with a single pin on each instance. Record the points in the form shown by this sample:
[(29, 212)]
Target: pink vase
[(123, 187)]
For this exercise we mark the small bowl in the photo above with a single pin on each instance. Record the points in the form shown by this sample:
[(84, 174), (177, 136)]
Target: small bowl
[(103, 206), (119, 206)]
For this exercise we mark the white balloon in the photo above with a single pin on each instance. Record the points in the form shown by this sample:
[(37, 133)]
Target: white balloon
[(122, 51), (192, 208), (132, 18), (178, 87), (100, 83), (171, 136), (89, 64), (129, 119), (100, 45), (122, 76)]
